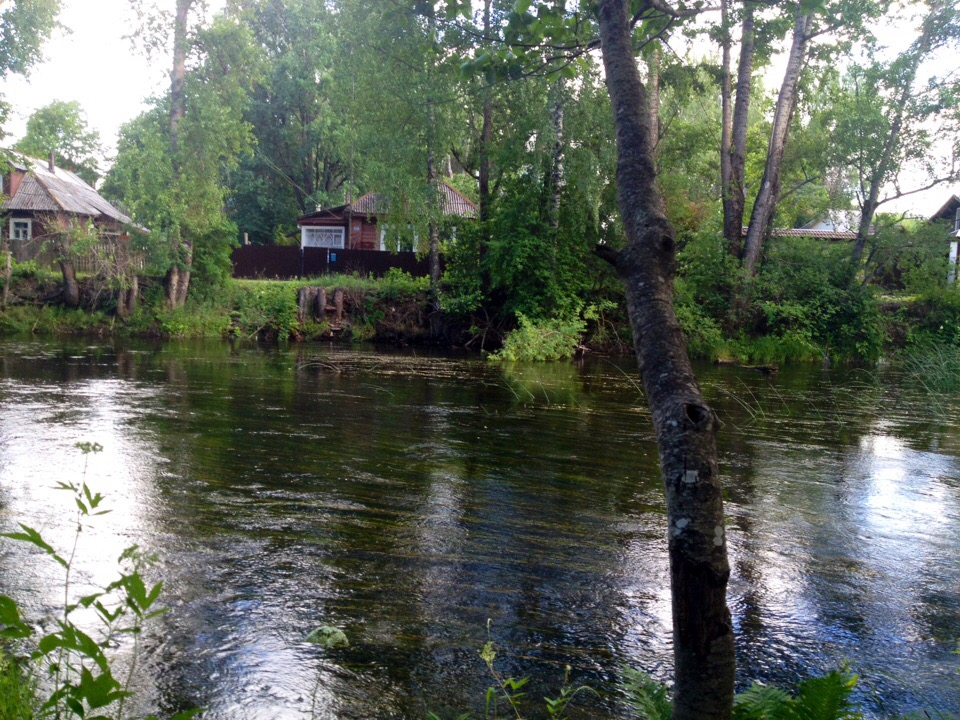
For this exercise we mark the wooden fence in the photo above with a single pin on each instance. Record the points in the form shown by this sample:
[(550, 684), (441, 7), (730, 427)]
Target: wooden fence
[(282, 263)]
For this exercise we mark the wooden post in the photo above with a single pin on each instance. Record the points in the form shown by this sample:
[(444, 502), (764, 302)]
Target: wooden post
[(305, 302), (338, 305), (321, 304)]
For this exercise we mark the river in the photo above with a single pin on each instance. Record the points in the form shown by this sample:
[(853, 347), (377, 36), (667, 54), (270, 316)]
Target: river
[(424, 503)]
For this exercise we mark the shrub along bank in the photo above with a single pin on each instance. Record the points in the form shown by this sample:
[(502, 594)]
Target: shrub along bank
[(805, 307)]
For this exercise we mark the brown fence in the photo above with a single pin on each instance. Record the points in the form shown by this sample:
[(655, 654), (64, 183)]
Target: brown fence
[(271, 261)]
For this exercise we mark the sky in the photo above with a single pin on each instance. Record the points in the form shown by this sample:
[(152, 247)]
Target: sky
[(92, 62)]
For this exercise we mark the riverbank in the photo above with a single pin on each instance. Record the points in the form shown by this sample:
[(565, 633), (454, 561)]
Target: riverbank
[(396, 309)]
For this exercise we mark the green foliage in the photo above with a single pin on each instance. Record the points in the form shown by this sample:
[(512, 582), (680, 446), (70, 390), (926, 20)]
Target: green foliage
[(265, 306), (61, 127), (807, 295), (827, 697), (301, 129), (178, 190), (649, 699), (24, 27), (541, 340), (328, 637), (16, 688), (933, 365), (83, 683)]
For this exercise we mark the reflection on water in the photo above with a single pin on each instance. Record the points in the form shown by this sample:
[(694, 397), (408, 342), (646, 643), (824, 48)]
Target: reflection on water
[(409, 499)]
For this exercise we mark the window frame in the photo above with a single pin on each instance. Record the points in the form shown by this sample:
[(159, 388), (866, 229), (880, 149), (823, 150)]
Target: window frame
[(13, 233), (307, 230)]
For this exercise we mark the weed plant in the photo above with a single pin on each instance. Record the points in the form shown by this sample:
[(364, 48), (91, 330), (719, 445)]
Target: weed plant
[(71, 670)]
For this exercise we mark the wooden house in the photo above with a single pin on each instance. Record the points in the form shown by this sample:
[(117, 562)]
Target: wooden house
[(358, 225), (950, 213), (41, 199)]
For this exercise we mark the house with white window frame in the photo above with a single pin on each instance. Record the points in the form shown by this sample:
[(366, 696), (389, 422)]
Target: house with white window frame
[(950, 213), (359, 225), (39, 199)]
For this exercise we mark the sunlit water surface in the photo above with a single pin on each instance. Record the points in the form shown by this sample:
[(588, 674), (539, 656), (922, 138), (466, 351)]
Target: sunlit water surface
[(412, 499)]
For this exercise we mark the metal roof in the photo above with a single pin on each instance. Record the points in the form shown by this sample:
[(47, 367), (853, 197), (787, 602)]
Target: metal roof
[(455, 204), (808, 233), (58, 191)]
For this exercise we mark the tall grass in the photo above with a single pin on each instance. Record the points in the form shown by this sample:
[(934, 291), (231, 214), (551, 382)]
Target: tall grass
[(934, 366)]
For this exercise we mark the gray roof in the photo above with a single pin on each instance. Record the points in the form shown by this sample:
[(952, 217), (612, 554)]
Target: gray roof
[(58, 191), (455, 204), (810, 233)]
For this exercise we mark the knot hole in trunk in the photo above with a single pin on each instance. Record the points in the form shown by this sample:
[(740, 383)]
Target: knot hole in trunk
[(698, 415)]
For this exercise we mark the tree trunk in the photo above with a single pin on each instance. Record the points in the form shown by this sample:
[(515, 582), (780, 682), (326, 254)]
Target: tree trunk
[(486, 134), (178, 75), (653, 101), (555, 179), (765, 205), (733, 151), (7, 274), (177, 280), (71, 288), (685, 425)]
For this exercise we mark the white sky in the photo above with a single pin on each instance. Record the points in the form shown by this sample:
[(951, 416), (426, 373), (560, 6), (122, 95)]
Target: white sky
[(92, 63)]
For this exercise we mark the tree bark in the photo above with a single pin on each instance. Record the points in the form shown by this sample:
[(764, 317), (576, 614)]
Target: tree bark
[(177, 280), (7, 274), (555, 179), (433, 189), (685, 425), (765, 205), (486, 134), (733, 151), (178, 74), (71, 288), (653, 101)]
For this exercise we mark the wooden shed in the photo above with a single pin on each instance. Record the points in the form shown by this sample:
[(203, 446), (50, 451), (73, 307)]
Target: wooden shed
[(358, 225)]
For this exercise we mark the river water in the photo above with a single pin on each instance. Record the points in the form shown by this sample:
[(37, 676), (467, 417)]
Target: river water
[(425, 503)]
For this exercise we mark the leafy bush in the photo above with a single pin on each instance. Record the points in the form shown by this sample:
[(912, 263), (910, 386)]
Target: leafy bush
[(828, 697), (539, 340), (79, 667)]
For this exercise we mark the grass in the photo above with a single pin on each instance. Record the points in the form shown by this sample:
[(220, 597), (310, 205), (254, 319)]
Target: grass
[(16, 694), (935, 366), (240, 308)]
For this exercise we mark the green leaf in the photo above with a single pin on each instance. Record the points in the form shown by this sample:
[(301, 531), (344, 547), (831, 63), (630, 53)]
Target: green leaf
[(11, 618), (31, 536)]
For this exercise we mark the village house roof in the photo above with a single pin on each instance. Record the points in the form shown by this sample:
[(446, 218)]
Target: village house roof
[(949, 209), (59, 190), (811, 233), (455, 204)]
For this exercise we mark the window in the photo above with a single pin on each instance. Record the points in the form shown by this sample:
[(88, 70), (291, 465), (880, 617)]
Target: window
[(21, 229), (956, 222), (396, 242), (322, 237)]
